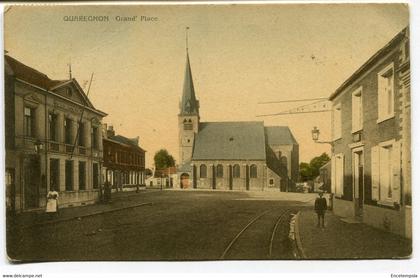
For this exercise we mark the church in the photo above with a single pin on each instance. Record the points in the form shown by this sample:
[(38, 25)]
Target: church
[(232, 155)]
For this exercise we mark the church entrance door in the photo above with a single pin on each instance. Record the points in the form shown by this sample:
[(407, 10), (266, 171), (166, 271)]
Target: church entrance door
[(185, 181)]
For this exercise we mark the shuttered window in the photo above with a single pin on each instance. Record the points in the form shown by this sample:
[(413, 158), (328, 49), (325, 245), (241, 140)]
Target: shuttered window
[(337, 174), (386, 167)]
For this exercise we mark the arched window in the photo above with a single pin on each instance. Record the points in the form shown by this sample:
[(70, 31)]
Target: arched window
[(203, 171), (253, 171), (219, 171), (236, 171)]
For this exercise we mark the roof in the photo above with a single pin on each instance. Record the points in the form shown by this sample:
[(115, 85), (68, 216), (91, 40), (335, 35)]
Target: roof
[(126, 141), (372, 60), (185, 167), (230, 140), (39, 79), (189, 103), (279, 135), (29, 74)]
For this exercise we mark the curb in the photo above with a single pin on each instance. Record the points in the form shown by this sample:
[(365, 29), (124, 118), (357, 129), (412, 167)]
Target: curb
[(298, 247), (83, 215)]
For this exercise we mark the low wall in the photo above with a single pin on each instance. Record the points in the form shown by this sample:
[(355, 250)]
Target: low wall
[(385, 219), (77, 198), (343, 208)]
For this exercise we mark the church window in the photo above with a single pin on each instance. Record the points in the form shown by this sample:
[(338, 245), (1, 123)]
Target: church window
[(203, 171), (253, 171), (236, 171), (188, 126), (219, 171)]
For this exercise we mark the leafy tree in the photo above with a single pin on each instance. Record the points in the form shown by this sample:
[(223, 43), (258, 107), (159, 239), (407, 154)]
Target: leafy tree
[(148, 172), (318, 162), (309, 171), (163, 159)]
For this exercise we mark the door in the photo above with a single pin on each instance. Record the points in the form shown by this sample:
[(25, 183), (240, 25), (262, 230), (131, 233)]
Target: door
[(31, 174), (358, 181), (10, 190), (185, 181)]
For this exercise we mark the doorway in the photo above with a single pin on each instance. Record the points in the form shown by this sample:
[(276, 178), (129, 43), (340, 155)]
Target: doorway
[(358, 181), (185, 181), (31, 180)]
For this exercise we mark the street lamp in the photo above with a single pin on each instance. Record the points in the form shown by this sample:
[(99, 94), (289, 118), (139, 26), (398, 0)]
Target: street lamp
[(38, 146), (315, 136)]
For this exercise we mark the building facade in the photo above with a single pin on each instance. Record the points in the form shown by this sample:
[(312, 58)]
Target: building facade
[(53, 140), (232, 155), (124, 161), (371, 162)]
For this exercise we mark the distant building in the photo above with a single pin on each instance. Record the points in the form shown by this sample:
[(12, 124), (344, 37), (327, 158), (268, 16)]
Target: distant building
[(124, 161), (53, 140), (371, 162), (232, 155)]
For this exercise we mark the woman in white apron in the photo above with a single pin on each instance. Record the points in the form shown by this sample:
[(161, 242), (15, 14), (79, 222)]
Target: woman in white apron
[(52, 202)]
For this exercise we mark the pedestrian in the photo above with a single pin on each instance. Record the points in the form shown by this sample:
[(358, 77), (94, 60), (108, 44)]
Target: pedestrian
[(52, 202), (320, 208), (107, 192)]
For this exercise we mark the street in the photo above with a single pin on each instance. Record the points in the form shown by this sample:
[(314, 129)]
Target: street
[(172, 225)]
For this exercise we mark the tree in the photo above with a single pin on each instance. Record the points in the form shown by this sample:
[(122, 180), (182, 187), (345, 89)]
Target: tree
[(148, 172), (163, 159), (309, 171), (318, 162)]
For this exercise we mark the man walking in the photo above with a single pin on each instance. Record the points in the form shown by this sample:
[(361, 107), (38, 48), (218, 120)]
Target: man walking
[(320, 208)]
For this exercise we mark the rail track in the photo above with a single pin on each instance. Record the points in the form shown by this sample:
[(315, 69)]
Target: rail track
[(280, 220)]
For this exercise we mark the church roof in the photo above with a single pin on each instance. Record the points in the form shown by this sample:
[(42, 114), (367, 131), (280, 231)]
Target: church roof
[(230, 140), (279, 135), (189, 103)]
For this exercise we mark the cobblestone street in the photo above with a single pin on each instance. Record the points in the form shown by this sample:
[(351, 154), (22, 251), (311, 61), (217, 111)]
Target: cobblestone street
[(171, 225)]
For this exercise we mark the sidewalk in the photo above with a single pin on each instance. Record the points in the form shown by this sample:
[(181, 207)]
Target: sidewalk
[(341, 240), (120, 200)]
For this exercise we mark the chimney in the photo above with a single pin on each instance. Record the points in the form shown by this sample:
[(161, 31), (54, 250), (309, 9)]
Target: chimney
[(110, 131)]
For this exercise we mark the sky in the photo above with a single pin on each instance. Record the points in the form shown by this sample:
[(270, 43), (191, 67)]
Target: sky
[(240, 55)]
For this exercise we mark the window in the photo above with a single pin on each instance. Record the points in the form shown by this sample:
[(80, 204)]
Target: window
[(357, 110), (236, 171), (253, 171), (271, 181), (95, 175), (337, 122), (54, 174), (188, 126), (203, 171), (95, 137), (52, 126), (69, 175), (29, 122), (386, 167), (81, 138), (68, 131), (219, 171), (386, 93), (82, 175), (337, 174)]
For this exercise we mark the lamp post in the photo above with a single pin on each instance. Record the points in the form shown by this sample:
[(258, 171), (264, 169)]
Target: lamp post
[(315, 136), (39, 146)]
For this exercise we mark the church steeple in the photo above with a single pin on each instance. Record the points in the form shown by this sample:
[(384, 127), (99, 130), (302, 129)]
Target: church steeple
[(189, 103), (188, 118)]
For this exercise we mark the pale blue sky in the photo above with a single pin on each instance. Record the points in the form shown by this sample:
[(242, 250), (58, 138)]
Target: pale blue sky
[(240, 55)]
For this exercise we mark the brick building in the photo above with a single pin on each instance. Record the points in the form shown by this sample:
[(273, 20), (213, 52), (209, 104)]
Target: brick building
[(124, 161), (371, 164), (48, 142), (232, 155)]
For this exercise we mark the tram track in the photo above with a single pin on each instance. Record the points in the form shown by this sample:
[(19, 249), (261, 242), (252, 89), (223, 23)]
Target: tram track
[(281, 219)]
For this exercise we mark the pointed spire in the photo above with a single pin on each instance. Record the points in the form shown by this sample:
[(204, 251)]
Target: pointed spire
[(189, 103)]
